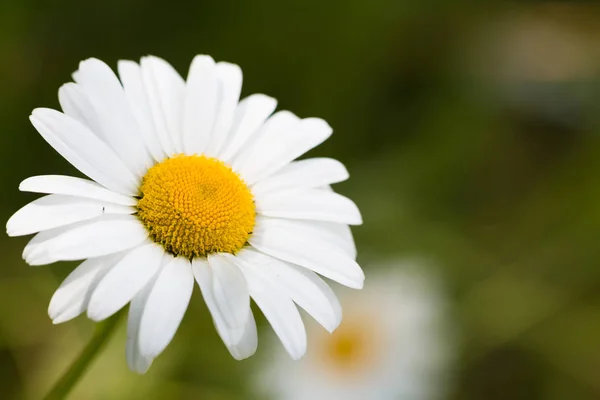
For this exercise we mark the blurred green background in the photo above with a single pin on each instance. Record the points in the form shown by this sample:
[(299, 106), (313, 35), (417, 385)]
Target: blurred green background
[(471, 132)]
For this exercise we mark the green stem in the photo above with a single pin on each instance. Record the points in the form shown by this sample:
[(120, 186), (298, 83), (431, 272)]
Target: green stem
[(67, 382)]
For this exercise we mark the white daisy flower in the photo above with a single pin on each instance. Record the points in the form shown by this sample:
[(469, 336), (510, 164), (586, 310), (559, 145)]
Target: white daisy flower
[(393, 344), (188, 182)]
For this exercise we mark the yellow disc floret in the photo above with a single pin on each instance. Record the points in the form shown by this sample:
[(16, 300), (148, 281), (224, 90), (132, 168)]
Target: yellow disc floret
[(196, 205)]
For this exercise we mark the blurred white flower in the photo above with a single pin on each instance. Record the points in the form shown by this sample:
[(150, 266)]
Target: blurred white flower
[(188, 182), (393, 343)]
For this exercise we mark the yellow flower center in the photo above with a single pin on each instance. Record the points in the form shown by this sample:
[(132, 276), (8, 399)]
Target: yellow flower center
[(196, 205), (348, 347), (356, 346)]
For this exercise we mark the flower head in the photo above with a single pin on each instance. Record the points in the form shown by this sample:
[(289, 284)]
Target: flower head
[(188, 183), (394, 343)]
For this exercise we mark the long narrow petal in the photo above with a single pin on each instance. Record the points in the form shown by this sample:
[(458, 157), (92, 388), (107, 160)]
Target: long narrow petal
[(240, 341), (229, 77), (89, 154), (341, 233), (56, 210), (115, 116), (274, 149), (301, 248), (200, 104), (310, 173), (167, 302), (73, 295), (281, 312), (250, 115), (137, 96), (230, 291), (166, 92), (125, 280), (332, 234), (304, 287), (247, 344), (98, 237), (203, 273), (69, 185), (135, 360), (309, 204), (75, 103), (41, 239), (275, 125)]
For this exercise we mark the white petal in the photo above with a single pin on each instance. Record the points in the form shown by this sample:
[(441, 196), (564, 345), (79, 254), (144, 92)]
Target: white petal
[(72, 297), (230, 291), (135, 360), (98, 237), (165, 307), (310, 204), (166, 92), (136, 93), (332, 234), (241, 341), (304, 287), (300, 247), (250, 115), (119, 127), (274, 149), (310, 173), (41, 239), (68, 185), (125, 280), (57, 210), (247, 344), (281, 312), (200, 104), (229, 77), (342, 234), (75, 103), (279, 122), (89, 154)]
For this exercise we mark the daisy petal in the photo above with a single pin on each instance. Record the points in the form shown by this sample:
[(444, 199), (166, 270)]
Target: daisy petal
[(274, 149), (323, 258), (135, 360), (166, 92), (229, 77), (304, 287), (274, 126), (281, 312), (310, 173), (98, 237), (68, 185), (341, 233), (203, 273), (84, 150), (200, 104), (119, 127), (250, 115), (167, 302), (248, 343), (311, 204), (240, 340), (230, 291), (75, 103), (136, 93), (125, 280), (72, 297), (334, 235), (41, 239), (57, 210)]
